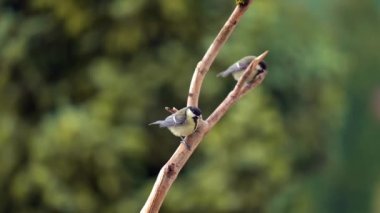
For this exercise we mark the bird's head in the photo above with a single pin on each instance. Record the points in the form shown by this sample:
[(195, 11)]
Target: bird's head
[(261, 67), (194, 112)]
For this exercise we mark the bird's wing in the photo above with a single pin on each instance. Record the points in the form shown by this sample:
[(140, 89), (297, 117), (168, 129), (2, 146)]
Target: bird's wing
[(238, 66), (233, 68), (173, 120)]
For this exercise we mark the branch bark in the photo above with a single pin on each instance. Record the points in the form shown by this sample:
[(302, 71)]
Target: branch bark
[(171, 169), (204, 65)]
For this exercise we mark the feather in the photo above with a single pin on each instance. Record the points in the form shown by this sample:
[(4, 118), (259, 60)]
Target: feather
[(175, 119)]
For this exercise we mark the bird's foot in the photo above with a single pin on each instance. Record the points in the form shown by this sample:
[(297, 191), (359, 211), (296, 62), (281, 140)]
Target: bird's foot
[(183, 141)]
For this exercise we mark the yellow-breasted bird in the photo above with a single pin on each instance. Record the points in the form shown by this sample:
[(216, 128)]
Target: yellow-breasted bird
[(182, 123), (237, 69)]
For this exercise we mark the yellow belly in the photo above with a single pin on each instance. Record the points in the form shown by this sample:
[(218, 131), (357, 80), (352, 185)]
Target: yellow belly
[(183, 130), (237, 75)]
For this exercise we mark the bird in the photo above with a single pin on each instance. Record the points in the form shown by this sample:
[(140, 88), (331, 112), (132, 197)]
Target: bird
[(182, 123), (237, 69)]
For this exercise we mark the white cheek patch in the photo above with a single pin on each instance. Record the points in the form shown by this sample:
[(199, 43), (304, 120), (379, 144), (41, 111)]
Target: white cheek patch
[(189, 112), (258, 67), (238, 65)]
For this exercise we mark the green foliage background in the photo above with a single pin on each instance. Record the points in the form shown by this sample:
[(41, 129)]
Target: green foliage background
[(80, 80)]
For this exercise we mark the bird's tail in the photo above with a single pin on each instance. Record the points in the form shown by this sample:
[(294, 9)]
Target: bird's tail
[(222, 74), (159, 123), (155, 123)]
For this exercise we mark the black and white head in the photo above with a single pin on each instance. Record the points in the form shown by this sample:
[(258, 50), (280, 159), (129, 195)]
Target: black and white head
[(261, 67), (194, 112)]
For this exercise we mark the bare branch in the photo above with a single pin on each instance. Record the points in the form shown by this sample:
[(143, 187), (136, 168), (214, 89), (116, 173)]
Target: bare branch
[(170, 170), (204, 65)]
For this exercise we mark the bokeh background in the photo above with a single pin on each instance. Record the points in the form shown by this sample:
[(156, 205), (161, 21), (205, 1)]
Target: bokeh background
[(80, 80)]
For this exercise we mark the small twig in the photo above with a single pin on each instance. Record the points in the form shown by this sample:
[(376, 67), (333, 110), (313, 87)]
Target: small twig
[(171, 110)]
